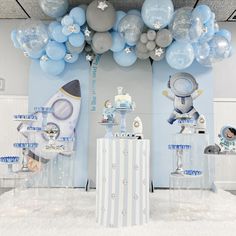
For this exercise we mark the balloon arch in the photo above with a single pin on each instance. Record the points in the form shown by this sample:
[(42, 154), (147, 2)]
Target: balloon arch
[(155, 32)]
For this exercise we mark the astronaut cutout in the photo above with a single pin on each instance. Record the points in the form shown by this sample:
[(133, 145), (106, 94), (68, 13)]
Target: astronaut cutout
[(185, 89)]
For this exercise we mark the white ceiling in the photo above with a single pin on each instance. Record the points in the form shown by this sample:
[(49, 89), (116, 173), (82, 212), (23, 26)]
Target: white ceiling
[(13, 9)]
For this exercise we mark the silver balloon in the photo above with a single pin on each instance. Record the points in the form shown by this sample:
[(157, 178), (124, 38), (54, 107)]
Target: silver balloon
[(101, 42), (151, 34), (131, 27), (157, 54), (32, 36), (73, 49), (150, 45), (141, 47), (100, 15), (181, 24), (54, 8), (142, 55), (143, 38), (164, 38)]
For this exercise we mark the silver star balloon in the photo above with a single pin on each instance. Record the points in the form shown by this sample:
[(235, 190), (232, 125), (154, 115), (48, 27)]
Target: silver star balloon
[(26, 54), (157, 25), (89, 57), (68, 56), (102, 5), (159, 51), (44, 58), (128, 50), (87, 32)]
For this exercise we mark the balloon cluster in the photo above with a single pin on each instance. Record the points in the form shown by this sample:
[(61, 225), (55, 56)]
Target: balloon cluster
[(156, 32)]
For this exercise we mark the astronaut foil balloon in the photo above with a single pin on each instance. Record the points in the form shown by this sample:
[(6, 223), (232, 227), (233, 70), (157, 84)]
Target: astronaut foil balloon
[(184, 89)]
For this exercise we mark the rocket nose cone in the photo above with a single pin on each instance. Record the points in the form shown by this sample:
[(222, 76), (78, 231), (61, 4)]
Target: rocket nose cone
[(73, 88)]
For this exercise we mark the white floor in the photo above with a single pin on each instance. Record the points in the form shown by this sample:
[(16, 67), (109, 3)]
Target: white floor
[(56, 212)]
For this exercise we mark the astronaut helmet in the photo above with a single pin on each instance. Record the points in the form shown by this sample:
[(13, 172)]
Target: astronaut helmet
[(182, 84)]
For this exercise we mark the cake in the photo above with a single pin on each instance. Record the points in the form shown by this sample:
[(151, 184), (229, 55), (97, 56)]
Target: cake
[(123, 100)]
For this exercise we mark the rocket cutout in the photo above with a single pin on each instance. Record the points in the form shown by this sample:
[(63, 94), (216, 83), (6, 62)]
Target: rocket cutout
[(65, 106)]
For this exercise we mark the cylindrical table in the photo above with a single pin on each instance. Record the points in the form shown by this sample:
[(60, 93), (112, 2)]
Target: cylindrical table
[(122, 197)]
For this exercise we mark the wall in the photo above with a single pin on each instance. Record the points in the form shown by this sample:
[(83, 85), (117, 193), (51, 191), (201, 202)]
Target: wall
[(14, 66)]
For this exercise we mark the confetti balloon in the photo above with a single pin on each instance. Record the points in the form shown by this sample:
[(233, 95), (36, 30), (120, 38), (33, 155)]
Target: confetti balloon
[(32, 36), (131, 27), (54, 8)]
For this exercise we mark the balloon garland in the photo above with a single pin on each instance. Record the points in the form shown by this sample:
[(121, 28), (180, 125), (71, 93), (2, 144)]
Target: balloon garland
[(156, 32)]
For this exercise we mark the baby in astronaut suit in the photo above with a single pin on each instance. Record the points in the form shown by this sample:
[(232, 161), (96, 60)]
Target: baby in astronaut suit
[(185, 89)]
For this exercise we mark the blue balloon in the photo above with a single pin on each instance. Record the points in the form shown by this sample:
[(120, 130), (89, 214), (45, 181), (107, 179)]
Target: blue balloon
[(36, 55), (134, 12), (52, 67), (201, 51), (119, 16), (202, 12), (78, 15), (67, 20), (225, 33), (51, 27), (118, 42), (180, 55), (126, 57), (55, 50), (14, 39), (157, 14), (57, 34), (210, 31), (54, 8), (71, 57), (76, 40)]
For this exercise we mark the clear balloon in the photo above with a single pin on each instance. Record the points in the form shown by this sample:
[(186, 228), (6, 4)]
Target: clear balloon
[(102, 42), (209, 31), (225, 33), (119, 16), (52, 67), (201, 51), (157, 14), (78, 15), (126, 57), (164, 38), (180, 55), (118, 42), (201, 12), (76, 40), (181, 24), (55, 50), (220, 47), (14, 39), (32, 36), (54, 8), (131, 27), (98, 18)]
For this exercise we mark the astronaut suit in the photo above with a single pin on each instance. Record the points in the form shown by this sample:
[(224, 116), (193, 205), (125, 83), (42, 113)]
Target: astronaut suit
[(184, 88)]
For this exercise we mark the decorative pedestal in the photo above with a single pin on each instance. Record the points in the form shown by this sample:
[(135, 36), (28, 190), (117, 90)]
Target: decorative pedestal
[(122, 182)]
